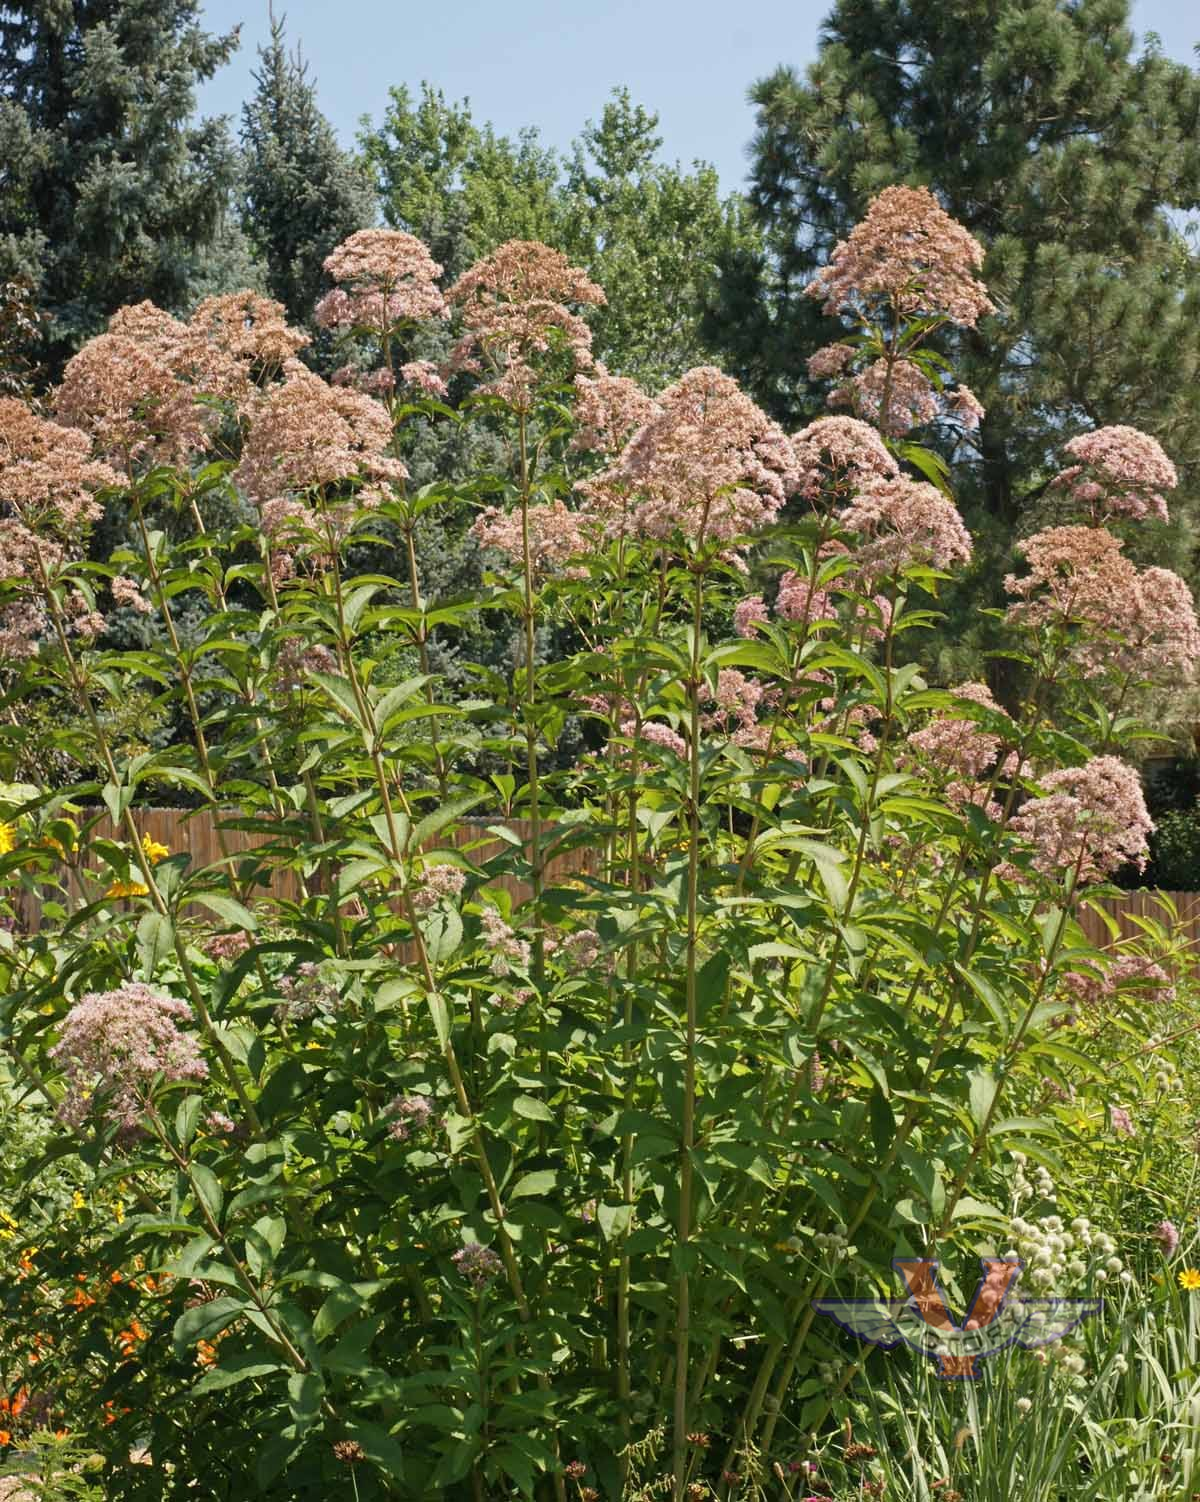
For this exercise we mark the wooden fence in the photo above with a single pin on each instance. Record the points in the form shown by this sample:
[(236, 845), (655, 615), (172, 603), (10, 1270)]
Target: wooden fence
[(206, 836), (201, 832)]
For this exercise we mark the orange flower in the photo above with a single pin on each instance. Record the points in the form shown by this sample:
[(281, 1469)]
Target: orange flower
[(81, 1299), (206, 1353), (5, 1438)]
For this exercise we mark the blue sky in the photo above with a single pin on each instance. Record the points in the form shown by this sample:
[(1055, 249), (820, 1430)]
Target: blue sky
[(553, 64)]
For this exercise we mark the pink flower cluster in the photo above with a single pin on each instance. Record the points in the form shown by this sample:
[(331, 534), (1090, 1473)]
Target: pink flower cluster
[(126, 592), (608, 410), (478, 1264), (708, 464), (839, 453), (1091, 819), (507, 949), (437, 884), (385, 277), (555, 534), (1136, 976), (957, 746), (408, 1114), (904, 523), (137, 389), (1119, 470), (114, 1046), (799, 599), (909, 253), (1136, 623), (514, 308), (47, 478), (307, 435)]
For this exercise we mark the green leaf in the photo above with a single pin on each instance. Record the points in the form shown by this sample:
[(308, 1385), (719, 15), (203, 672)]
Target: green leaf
[(532, 1109), (207, 1189), (541, 1182), (227, 908), (155, 940), (186, 1118), (615, 1220), (205, 1321)]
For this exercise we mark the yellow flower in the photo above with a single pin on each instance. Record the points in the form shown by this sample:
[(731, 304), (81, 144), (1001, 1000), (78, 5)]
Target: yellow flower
[(119, 1211), (127, 889), (1189, 1278), (78, 1201), (153, 851), (8, 839)]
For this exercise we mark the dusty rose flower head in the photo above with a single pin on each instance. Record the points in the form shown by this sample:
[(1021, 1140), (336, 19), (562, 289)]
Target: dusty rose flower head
[(306, 435), (963, 404), (478, 1264), (799, 599), (1122, 1122), (1137, 623), (839, 452), (709, 464), (908, 252), (385, 277), (653, 733), (425, 376), (507, 949), (747, 612), (1166, 1233), (1119, 470), (555, 534), (437, 884), (114, 1045), (408, 1114), (608, 410), (297, 659), (252, 328), (514, 308), (830, 361), (138, 388), (22, 625), (1091, 818), (904, 522), (958, 746), (225, 948), (911, 398), (126, 592), (48, 482)]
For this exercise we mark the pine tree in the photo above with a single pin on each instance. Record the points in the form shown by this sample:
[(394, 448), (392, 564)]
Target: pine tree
[(1062, 148), (301, 193), (112, 193)]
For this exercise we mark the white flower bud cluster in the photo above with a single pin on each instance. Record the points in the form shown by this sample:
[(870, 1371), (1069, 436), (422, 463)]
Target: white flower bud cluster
[(834, 1245)]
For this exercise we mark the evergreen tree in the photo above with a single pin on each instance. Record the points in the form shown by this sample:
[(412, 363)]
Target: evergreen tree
[(112, 193), (1061, 147), (301, 193)]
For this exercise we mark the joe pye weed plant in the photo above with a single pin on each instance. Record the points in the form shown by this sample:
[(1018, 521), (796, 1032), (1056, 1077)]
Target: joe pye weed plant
[(442, 1192)]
